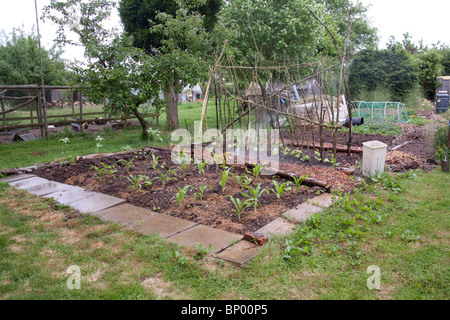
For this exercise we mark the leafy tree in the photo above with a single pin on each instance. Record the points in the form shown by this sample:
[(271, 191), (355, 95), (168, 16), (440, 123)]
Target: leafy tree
[(19, 60), (115, 71), (273, 29), (393, 69), (139, 16), (176, 35), (362, 34), (446, 60), (430, 67)]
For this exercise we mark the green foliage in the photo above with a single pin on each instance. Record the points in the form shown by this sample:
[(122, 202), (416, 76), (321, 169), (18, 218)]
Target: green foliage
[(20, 64), (280, 188), (201, 190), (298, 182), (223, 181), (430, 68), (440, 143), (254, 195), (100, 172), (138, 16), (165, 177), (201, 251), (392, 69), (278, 28), (240, 206), (114, 70), (181, 194)]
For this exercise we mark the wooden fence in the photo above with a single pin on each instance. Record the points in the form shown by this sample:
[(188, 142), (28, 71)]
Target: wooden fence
[(22, 107)]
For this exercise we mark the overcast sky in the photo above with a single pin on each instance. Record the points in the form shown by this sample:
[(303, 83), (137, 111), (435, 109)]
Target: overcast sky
[(426, 20)]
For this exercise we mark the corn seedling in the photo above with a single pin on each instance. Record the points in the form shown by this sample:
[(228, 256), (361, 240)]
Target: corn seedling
[(165, 177), (180, 195), (100, 172), (154, 162), (240, 206), (298, 182), (201, 190), (225, 175), (280, 188), (255, 194), (256, 171), (201, 167), (127, 164), (135, 182)]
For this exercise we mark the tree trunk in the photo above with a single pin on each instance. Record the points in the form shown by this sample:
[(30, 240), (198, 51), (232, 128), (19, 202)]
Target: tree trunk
[(141, 121), (172, 121)]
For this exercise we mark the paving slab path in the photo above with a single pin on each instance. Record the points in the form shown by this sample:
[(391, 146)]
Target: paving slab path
[(224, 245)]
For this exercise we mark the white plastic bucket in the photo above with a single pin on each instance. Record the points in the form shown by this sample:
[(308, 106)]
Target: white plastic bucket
[(374, 158)]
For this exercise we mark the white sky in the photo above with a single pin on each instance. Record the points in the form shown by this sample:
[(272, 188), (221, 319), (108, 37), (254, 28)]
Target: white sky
[(427, 20)]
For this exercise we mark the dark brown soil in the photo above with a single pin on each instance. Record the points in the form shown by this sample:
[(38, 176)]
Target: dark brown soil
[(215, 210)]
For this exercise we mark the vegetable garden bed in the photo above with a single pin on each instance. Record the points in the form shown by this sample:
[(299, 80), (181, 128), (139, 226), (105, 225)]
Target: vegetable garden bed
[(236, 199)]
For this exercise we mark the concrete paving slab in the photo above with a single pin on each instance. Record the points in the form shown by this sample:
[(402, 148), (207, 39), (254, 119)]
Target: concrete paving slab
[(163, 225), (239, 253), (325, 200), (302, 212), (28, 183), (17, 177), (125, 214), (96, 202), (279, 226), (204, 235), (68, 196), (49, 187)]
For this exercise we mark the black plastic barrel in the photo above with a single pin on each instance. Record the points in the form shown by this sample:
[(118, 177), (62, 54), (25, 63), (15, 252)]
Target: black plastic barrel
[(442, 100), (356, 122)]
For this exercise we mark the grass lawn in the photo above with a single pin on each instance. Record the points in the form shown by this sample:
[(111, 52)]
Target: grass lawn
[(28, 153), (405, 233)]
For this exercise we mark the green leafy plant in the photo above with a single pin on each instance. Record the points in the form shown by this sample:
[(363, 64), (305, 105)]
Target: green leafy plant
[(305, 158), (183, 167), (165, 177), (201, 252), (255, 194), (154, 134), (224, 179), (298, 182), (201, 167), (256, 170), (181, 194), (181, 260), (201, 190), (136, 182), (240, 206), (409, 236), (280, 188), (127, 164), (100, 172), (154, 162)]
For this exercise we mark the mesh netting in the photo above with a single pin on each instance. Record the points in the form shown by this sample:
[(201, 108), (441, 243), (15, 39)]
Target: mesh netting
[(387, 112)]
